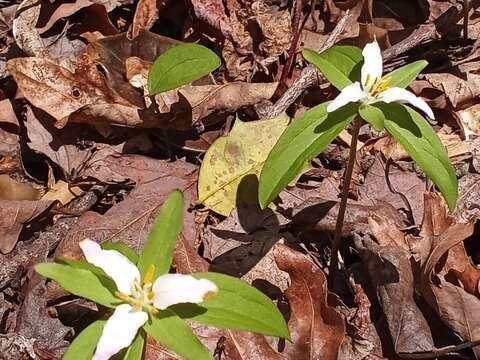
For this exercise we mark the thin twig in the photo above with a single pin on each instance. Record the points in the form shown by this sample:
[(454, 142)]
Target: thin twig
[(308, 77), (337, 238), (439, 352)]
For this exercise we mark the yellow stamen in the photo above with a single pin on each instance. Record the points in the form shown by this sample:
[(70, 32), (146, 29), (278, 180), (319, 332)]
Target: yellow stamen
[(380, 86), (149, 275)]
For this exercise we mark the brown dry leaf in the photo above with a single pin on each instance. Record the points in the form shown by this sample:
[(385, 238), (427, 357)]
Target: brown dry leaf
[(459, 92), (112, 52), (321, 215), (145, 16), (443, 261), (61, 147), (470, 121), (388, 262), (208, 99), (62, 192), (57, 48), (8, 118), (10, 154), (130, 220), (240, 52), (11, 189), (15, 214), (389, 147), (392, 184), (316, 328), (58, 91), (63, 11)]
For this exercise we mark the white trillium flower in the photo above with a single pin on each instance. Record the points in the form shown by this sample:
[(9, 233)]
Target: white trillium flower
[(140, 299), (373, 87)]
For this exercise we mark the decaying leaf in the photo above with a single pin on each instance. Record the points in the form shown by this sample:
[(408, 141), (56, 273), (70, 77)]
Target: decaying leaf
[(444, 262), (58, 91), (236, 158), (15, 214), (57, 49), (388, 264), (317, 329), (130, 220)]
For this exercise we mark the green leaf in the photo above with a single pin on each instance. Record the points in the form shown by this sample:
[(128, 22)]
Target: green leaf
[(229, 173), (83, 346), (341, 65), (160, 245), (79, 282), (135, 350), (106, 281), (402, 77), (237, 306), (122, 249), (305, 138), (373, 115), (181, 65), (171, 331), (421, 142)]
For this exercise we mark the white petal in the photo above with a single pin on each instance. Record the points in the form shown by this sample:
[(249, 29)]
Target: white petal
[(350, 93), (396, 94), (119, 331), (171, 289), (372, 67), (122, 271)]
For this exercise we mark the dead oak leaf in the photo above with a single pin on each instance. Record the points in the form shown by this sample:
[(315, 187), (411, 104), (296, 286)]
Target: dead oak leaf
[(317, 329), (58, 91), (443, 262)]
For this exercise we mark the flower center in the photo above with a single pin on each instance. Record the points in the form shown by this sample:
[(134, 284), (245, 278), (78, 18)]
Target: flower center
[(142, 296), (379, 86)]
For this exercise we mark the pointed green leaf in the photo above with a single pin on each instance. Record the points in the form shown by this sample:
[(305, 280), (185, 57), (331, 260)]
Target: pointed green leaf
[(122, 249), (373, 115), (305, 138), (416, 135), (402, 77), (106, 281), (340, 64), (160, 244), (171, 331), (83, 346), (79, 282), (135, 350), (237, 306), (181, 65)]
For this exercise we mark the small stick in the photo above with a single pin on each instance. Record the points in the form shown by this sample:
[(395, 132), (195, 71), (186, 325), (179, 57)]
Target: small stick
[(308, 77), (439, 352)]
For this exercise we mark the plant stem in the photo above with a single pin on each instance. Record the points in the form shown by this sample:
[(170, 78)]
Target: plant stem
[(337, 239)]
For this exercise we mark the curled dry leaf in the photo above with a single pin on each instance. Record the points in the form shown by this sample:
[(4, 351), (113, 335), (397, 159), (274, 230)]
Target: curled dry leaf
[(445, 269), (317, 329), (145, 16), (388, 262), (57, 49)]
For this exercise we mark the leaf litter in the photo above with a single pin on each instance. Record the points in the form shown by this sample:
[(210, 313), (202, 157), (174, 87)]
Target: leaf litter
[(85, 152)]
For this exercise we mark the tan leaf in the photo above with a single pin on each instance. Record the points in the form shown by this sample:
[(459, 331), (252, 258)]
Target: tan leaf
[(56, 90)]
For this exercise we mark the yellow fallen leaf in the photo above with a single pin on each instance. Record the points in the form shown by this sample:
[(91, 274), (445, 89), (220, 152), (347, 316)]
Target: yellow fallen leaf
[(235, 161)]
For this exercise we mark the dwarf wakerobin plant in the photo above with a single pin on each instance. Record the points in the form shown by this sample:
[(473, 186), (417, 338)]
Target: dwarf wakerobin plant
[(364, 94), (146, 299)]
